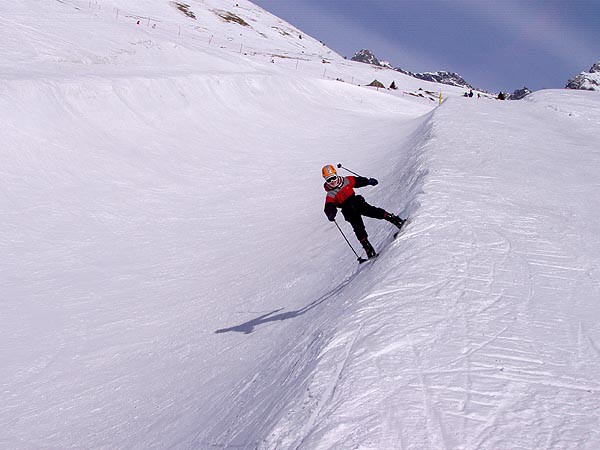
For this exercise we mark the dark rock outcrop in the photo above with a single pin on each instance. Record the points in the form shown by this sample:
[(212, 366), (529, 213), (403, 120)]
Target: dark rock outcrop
[(366, 56), (450, 78), (588, 81), (519, 94)]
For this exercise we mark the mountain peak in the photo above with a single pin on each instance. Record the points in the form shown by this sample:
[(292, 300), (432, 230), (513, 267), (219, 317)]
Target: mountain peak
[(587, 81), (366, 56)]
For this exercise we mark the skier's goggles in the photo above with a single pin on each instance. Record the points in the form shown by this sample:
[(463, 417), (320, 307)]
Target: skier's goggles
[(331, 179)]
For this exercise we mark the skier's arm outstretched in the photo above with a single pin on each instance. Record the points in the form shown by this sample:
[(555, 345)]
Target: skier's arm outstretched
[(362, 182)]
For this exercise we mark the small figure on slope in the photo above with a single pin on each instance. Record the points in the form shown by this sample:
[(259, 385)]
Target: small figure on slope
[(340, 194)]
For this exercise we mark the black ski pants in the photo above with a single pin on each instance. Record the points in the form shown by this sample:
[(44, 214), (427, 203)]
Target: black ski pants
[(354, 208)]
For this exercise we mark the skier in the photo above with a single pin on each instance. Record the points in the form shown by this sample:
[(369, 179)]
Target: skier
[(340, 194)]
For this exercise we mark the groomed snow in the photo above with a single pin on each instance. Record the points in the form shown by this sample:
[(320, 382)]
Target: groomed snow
[(169, 279)]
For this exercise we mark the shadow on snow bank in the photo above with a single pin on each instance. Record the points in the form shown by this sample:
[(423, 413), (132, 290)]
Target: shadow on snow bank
[(249, 327)]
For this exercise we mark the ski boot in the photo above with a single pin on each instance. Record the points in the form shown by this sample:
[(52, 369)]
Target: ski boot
[(395, 220), (368, 248)]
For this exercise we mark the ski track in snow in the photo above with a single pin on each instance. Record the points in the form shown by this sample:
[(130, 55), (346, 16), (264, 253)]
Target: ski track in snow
[(169, 279)]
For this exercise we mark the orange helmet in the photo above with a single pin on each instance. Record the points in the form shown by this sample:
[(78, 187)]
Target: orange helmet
[(328, 171)]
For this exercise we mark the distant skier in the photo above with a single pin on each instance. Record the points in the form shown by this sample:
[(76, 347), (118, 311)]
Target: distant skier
[(340, 194)]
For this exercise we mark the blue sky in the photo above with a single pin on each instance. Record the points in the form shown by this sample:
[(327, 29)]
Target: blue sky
[(494, 45)]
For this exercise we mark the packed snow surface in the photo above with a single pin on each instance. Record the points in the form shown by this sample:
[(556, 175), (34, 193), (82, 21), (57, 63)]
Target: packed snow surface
[(169, 280)]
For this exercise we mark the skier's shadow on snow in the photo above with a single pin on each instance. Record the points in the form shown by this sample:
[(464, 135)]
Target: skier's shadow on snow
[(248, 327)]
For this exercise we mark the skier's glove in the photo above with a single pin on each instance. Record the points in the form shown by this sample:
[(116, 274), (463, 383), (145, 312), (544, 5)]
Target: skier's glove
[(331, 216), (373, 182)]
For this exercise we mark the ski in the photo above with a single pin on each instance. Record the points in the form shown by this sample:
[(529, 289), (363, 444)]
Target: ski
[(362, 260)]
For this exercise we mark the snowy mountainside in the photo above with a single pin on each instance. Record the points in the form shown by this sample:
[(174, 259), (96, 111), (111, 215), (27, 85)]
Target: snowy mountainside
[(145, 26), (169, 279), (122, 37)]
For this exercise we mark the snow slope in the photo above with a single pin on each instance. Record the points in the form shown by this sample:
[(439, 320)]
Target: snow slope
[(479, 326), (169, 279)]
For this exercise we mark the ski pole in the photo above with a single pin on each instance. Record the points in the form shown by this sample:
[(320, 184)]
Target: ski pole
[(342, 167), (358, 258)]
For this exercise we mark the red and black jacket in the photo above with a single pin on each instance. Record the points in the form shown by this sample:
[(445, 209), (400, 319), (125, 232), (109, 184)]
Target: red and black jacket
[(342, 194)]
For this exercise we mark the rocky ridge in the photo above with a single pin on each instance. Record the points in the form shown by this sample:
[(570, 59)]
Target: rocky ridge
[(444, 77), (588, 81)]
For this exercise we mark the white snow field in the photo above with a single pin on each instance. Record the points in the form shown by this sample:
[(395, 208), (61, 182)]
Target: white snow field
[(168, 279)]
